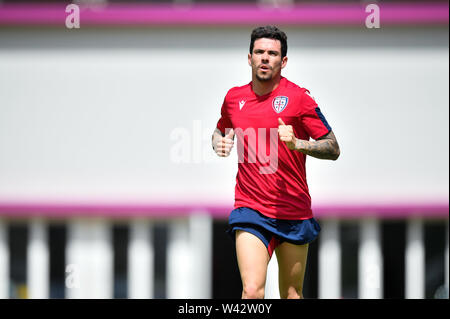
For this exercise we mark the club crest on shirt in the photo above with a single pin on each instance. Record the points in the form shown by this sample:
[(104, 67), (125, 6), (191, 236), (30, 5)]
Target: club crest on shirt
[(279, 103)]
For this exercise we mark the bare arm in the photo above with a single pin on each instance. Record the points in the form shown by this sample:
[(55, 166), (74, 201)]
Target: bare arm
[(325, 147)]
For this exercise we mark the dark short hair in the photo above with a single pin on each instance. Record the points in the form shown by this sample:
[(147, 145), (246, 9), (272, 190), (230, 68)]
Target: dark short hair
[(269, 32)]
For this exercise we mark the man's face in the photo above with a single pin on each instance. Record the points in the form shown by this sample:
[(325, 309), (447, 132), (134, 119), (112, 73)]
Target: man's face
[(265, 60)]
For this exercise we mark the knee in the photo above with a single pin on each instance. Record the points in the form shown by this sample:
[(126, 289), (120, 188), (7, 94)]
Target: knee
[(252, 291), (292, 293)]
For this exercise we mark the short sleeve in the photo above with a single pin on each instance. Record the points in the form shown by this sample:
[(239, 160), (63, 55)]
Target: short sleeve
[(224, 121), (312, 118)]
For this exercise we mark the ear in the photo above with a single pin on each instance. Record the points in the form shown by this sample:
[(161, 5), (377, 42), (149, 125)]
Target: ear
[(249, 59), (284, 62)]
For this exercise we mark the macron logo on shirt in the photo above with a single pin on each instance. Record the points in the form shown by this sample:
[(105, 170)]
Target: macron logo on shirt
[(241, 104)]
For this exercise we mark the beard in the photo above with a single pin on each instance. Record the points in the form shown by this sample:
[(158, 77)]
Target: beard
[(264, 77)]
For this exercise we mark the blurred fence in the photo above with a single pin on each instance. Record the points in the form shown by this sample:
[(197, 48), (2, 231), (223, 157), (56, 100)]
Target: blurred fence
[(90, 261)]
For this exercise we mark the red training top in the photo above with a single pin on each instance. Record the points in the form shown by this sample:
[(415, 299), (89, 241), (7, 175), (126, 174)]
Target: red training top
[(271, 178)]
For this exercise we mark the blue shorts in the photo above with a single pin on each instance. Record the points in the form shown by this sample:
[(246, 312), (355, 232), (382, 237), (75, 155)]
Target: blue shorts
[(272, 231)]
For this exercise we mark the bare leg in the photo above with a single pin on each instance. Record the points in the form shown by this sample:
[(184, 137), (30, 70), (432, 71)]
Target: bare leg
[(291, 266), (253, 258)]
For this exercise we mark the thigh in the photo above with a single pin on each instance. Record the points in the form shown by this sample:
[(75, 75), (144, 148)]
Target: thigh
[(253, 258), (291, 266)]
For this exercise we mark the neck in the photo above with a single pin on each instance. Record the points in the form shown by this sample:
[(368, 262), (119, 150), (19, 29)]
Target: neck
[(265, 87)]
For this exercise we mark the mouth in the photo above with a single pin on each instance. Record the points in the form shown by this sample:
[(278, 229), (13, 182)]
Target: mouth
[(264, 67)]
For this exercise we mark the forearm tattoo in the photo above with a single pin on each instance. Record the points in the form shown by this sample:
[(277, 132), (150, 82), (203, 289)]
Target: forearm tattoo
[(324, 148)]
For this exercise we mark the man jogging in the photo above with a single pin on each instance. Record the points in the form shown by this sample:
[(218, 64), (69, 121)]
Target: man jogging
[(273, 120)]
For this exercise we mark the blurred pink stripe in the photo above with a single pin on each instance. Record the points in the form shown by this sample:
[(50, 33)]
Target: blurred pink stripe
[(167, 210), (317, 14)]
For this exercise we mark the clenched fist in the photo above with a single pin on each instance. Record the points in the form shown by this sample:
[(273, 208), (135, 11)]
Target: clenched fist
[(286, 134), (223, 145)]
